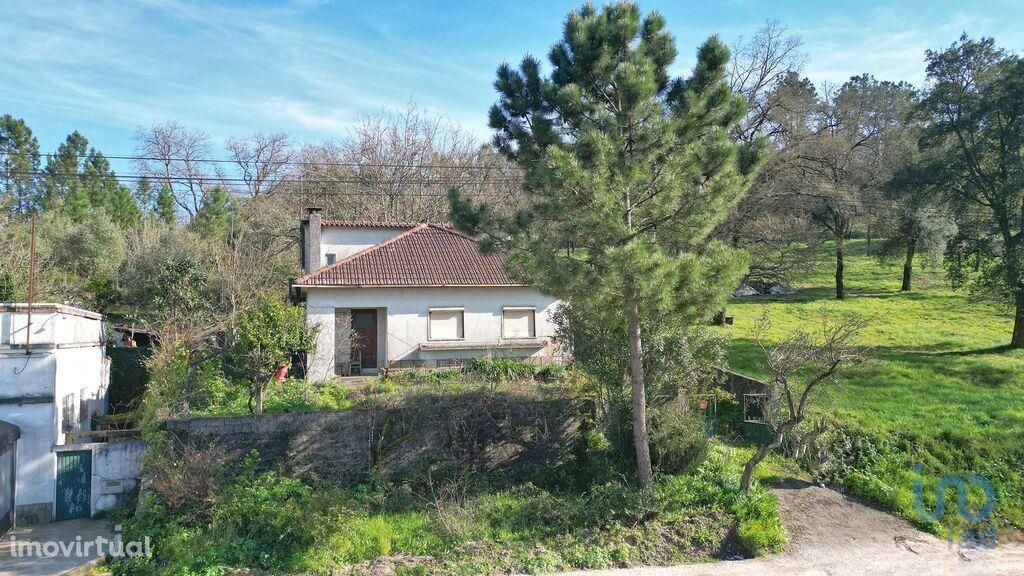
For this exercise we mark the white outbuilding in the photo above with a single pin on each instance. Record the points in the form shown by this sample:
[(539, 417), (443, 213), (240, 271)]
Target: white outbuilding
[(53, 380)]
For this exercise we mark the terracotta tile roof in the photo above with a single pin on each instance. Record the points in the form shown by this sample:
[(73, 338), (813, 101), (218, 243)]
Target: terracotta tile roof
[(425, 255), (369, 224)]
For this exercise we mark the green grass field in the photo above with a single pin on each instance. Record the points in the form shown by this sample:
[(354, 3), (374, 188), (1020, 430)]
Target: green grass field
[(941, 385)]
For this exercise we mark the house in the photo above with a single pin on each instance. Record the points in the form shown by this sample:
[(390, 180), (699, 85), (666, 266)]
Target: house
[(401, 295), (54, 377)]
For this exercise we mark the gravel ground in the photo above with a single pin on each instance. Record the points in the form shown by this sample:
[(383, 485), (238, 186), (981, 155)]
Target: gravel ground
[(833, 534)]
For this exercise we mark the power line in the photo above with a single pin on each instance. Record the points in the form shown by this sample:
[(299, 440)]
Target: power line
[(167, 160)]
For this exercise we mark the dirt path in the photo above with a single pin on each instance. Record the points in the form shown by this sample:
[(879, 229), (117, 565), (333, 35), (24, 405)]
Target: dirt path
[(831, 534)]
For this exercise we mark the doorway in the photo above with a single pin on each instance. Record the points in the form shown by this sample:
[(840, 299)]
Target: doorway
[(364, 325), (74, 484)]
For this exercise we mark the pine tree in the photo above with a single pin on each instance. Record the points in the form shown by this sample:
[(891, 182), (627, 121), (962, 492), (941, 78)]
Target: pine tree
[(145, 196), (627, 173), (216, 214), (164, 208), (19, 150), (61, 177)]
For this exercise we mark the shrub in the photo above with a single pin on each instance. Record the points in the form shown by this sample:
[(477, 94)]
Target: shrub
[(679, 442), (761, 535), (552, 373), (501, 369), (760, 529), (263, 519), (185, 481)]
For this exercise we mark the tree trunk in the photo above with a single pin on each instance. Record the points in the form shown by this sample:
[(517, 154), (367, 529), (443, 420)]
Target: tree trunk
[(1018, 324), (840, 288), (641, 442), (869, 240), (259, 398), (908, 265), (748, 469)]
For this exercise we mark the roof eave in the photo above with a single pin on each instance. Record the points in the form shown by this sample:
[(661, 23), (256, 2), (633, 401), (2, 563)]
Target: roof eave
[(302, 286)]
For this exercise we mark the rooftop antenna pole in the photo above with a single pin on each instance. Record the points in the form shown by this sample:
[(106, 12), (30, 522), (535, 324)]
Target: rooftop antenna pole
[(31, 275)]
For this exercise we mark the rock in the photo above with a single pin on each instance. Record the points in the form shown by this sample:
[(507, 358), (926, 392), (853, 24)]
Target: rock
[(780, 290), (744, 291)]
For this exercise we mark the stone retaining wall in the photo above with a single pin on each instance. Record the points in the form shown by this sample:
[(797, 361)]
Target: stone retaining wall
[(507, 434)]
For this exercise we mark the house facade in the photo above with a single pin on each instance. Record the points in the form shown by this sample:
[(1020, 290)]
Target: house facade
[(53, 381), (394, 295)]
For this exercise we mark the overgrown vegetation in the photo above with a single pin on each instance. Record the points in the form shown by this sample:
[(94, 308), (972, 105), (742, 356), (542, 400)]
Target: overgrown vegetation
[(264, 521)]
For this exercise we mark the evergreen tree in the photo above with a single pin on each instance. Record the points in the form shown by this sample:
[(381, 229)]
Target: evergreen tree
[(627, 173), (216, 214), (20, 152), (164, 207), (976, 107), (61, 177), (145, 195)]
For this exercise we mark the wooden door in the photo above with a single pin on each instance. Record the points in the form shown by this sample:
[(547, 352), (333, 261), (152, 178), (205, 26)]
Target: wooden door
[(364, 324), (74, 484)]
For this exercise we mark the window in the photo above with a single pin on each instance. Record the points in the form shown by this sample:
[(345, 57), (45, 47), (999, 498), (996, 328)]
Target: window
[(68, 409), (83, 405), (446, 324), (330, 259), (518, 323)]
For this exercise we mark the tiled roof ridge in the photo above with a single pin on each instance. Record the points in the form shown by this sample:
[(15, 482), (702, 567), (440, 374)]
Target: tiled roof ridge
[(425, 255), (328, 222), (362, 252)]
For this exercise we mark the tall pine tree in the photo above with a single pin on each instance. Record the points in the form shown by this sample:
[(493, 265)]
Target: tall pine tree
[(628, 171), (19, 151)]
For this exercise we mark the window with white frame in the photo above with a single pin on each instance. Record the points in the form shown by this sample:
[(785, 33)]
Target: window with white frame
[(518, 322), (446, 324)]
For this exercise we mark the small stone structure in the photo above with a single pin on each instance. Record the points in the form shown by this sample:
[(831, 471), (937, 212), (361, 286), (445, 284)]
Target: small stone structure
[(504, 434)]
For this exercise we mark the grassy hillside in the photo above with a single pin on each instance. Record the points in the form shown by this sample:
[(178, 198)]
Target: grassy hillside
[(941, 390)]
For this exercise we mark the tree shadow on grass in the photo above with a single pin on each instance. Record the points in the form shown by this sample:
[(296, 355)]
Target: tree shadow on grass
[(977, 352)]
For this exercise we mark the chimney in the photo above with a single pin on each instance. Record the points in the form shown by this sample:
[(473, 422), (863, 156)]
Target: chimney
[(311, 244)]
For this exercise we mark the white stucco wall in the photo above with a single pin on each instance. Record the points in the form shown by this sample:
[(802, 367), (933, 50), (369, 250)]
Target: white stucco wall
[(405, 322), (67, 356), (81, 370), (24, 375), (37, 466), (51, 324), (116, 471), (344, 241)]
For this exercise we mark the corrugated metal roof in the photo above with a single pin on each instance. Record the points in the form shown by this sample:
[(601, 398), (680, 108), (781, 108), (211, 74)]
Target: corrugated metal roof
[(425, 255)]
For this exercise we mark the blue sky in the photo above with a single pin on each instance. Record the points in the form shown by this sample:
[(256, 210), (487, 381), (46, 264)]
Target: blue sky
[(310, 68)]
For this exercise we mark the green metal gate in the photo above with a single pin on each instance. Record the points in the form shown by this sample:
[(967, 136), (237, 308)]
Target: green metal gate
[(74, 484)]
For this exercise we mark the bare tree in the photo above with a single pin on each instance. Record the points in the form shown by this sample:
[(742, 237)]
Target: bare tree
[(258, 258), (770, 222), (177, 156), (263, 161), (399, 166), (799, 365), (756, 69)]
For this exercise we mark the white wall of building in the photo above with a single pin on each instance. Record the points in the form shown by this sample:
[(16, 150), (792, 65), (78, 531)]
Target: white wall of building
[(37, 466), (406, 321), (116, 471), (67, 358), (345, 241)]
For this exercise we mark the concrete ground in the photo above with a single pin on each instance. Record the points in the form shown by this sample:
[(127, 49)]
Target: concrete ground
[(832, 534), (69, 532)]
